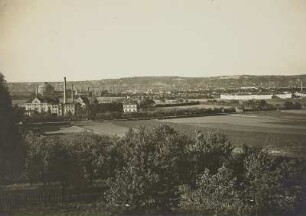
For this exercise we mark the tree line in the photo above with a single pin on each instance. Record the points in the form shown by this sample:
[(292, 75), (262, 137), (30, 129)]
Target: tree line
[(160, 169)]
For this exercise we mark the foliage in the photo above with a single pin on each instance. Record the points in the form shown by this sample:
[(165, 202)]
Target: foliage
[(152, 168), (258, 105), (11, 146), (132, 188), (289, 105), (208, 151), (110, 107), (179, 103), (146, 103), (270, 185), (18, 113), (158, 168), (83, 158), (261, 184), (49, 160), (214, 192), (38, 152), (93, 154)]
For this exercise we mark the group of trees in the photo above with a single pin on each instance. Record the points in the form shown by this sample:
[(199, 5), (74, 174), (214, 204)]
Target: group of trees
[(179, 103), (163, 113), (290, 105), (250, 183), (97, 108), (76, 161), (159, 169), (11, 148), (162, 168)]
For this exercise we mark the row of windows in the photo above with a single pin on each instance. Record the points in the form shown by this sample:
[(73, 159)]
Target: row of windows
[(130, 106), (130, 110)]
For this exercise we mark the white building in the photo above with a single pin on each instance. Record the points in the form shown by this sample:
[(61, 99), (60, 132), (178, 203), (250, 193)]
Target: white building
[(52, 105), (245, 97), (43, 105), (69, 109), (254, 96), (284, 96), (130, 107), (49, 105), (299, 94)]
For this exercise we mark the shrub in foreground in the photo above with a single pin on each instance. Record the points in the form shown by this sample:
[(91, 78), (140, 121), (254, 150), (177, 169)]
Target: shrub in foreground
[(152, 169), (265, 186)]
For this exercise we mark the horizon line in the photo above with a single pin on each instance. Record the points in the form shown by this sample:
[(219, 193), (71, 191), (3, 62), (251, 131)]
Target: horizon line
[(162, 76)]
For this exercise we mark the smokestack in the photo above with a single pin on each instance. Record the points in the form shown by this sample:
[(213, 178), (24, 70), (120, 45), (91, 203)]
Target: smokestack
[(64, 90), (36, 90), (301, 86), (72, 94)]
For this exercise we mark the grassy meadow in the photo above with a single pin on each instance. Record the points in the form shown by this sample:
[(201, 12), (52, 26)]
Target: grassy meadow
[(280, 132)]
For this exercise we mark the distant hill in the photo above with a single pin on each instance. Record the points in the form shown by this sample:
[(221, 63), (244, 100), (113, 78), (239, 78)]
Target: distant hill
[(167, 83)]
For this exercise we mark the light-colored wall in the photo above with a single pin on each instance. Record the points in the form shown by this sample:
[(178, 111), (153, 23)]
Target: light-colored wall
[(245, 97), (130, 108)]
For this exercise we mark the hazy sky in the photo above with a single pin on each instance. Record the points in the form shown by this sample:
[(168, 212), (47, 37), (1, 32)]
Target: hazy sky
[(40, 40)]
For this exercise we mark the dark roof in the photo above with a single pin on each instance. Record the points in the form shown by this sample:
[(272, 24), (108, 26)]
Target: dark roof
[(84, 98), (45, 87), (49, 100), (130, 102)]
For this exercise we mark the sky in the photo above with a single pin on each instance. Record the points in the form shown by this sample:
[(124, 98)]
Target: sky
[(43, 40)]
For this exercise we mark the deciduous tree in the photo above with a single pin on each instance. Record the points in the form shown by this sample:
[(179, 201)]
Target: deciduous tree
[(11, 147)]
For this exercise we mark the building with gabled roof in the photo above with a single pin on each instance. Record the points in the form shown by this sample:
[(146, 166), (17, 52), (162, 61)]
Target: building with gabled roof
[(83, 101), (43, 105)]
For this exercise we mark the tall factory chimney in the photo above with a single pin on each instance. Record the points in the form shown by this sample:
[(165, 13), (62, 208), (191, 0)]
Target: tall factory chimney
[(301, 86), (64, 90), (72, 94), (36, 90)]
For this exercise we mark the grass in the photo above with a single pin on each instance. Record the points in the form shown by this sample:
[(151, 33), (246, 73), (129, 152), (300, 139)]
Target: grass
[(280, 132), (276, 132)]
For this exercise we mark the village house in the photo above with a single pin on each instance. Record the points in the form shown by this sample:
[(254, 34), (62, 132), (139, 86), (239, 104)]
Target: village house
[(130, 107)]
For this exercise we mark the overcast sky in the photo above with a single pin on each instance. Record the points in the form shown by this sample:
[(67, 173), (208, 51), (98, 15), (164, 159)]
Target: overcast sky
[(40, 40)]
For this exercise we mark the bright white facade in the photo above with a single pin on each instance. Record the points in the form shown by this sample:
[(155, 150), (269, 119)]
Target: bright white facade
[(253, 96), (299, 94), (284, 96), (245, 97), (130, 108), (43, 105)]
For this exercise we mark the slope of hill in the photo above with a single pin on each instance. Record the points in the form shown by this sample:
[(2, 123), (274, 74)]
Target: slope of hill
[(168, 83)]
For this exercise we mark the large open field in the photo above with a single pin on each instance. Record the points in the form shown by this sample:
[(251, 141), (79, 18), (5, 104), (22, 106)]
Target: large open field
[(278, 132)]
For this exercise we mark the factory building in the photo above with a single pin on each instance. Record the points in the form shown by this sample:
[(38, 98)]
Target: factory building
[(44, 103)]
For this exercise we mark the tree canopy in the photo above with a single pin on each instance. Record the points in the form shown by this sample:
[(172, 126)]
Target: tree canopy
[(11, 148)]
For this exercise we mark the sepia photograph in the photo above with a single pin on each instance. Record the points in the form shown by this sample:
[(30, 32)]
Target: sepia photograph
[(152, 107)]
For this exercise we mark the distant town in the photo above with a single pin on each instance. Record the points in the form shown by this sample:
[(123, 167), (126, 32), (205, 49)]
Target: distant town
[(146, 96)]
